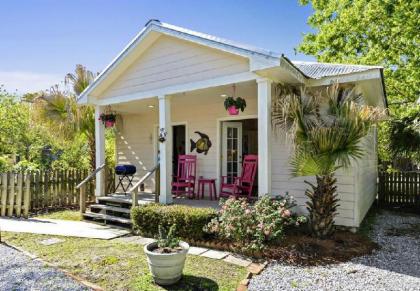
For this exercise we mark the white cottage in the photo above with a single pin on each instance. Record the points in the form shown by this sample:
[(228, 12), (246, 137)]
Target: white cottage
[(175, 79)]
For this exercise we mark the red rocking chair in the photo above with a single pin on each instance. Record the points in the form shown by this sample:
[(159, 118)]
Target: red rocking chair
[(184, 181), (241, 186)]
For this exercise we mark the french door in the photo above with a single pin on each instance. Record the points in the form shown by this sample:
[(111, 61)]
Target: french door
[(231, 149)]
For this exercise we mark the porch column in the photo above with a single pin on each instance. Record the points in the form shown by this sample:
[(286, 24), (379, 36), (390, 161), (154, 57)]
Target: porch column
[(165, 150), (264, 136), (100, 151)]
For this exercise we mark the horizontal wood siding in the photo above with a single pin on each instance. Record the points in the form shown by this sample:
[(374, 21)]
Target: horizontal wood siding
[(366, 174), (170, 61), (283, 182)]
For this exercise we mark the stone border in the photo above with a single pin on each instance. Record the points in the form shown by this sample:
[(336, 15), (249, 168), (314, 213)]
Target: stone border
[(253, 269), (67, 273)]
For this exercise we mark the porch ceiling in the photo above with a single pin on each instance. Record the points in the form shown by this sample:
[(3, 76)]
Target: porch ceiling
[(244, 89)]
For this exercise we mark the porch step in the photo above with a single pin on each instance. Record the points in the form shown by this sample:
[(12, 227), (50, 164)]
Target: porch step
[(110, 208), (105, 217), (115, 199)]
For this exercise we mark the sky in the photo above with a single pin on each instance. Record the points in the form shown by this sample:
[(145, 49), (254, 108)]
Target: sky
[(42, 40)]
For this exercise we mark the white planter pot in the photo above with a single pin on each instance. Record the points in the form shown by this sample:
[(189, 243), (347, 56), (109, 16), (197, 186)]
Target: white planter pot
[(166, 269)]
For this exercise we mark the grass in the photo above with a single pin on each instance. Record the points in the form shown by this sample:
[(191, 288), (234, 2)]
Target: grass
[(116, 265), (63, 215)]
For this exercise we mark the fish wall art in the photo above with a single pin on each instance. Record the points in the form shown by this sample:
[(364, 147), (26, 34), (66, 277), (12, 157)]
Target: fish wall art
[(202, 145)]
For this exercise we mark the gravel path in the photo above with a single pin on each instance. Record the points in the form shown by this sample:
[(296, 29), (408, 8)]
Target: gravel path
[(396, 266), (19, 272)]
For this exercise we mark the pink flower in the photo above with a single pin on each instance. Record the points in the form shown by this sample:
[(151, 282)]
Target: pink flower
[(248, 211), (286, 213)]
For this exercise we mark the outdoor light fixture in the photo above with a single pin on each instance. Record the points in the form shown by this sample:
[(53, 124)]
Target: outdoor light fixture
[(223, 95), (151, 106)]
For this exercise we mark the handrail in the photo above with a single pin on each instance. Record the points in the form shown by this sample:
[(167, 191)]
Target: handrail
[(134, 190), (144, 178), (91, 175)]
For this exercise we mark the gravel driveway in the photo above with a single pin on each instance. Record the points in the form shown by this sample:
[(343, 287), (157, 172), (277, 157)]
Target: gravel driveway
[(19, 272), (395, 266)]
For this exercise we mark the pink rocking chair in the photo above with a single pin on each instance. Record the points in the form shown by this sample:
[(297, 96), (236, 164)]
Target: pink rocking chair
[(184, 181), (241, 186)]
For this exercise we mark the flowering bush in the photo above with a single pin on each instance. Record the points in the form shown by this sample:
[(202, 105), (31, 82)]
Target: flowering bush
[(249, 226)]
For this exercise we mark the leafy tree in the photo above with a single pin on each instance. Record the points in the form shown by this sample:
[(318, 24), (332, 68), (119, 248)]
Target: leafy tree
[(376, 32), (405, 135), (60, 110), (327, 126)]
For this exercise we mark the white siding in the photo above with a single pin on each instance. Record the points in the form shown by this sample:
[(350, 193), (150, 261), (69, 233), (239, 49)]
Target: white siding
[(134, 142), (170, 61), (283, 182), (366, 178)]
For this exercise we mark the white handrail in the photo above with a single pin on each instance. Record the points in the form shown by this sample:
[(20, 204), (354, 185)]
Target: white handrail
[(144, 178), (97, 170)]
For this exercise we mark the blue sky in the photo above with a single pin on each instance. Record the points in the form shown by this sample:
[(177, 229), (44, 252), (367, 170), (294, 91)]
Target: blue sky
[(42, 40)]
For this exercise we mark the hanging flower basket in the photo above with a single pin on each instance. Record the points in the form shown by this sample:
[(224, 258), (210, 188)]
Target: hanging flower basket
[(108, 119), (233, 105)]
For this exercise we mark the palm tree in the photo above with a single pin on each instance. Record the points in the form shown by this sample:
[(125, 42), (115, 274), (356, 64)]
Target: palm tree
[(60, 109), (327, 126)]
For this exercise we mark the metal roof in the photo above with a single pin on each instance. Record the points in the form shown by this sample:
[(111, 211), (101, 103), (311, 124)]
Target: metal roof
[(316, 70), (313, 70)]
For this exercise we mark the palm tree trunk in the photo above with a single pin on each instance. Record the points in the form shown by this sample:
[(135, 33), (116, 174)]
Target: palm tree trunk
[(322, 206)]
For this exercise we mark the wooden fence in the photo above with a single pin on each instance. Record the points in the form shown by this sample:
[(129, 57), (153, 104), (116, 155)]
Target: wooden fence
[(400, 189), (22, 193)]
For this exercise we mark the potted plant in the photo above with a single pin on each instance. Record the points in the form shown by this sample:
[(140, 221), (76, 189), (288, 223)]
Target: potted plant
[(108, 119), (166, 257), (233, 105)]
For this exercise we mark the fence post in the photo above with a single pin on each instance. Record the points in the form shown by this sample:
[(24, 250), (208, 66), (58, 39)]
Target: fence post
[(27, 196), (82, 199), (4, 194), (11, 195), (19, 194)]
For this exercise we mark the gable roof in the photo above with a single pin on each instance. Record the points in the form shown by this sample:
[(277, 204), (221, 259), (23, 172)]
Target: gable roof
[(307, 70)]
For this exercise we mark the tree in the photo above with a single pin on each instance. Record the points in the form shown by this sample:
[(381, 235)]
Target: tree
[(375, 32), (327, 126), (61, 111)]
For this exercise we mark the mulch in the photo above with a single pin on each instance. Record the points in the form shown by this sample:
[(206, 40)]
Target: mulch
[(303, 249)]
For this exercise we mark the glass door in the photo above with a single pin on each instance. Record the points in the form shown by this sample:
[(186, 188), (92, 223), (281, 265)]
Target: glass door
[(231, 150)]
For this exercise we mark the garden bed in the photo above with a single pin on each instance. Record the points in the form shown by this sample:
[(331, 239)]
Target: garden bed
[(302, 249)]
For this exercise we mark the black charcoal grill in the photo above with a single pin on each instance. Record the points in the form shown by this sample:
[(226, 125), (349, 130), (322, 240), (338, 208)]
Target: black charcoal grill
[(125, 173)]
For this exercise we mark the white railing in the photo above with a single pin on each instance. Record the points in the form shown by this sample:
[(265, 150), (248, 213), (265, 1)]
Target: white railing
[(134, 191)]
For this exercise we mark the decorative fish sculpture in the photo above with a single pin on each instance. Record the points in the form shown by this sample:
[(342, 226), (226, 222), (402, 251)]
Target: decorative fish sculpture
[(202, 145)]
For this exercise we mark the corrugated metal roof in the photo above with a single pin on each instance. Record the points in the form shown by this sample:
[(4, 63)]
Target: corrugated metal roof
[(316, 70)]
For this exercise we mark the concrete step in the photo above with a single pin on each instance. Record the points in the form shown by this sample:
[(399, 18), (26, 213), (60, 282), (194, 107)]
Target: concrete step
[(105, 217), (110, 208)]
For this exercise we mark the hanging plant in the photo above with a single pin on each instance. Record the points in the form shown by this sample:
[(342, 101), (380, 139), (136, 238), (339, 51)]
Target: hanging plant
[(108, 118), (233, 105)]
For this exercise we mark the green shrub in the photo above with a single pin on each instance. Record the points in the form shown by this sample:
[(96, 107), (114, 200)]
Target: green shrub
[(252, 226), (190, 221), (25, 166), (4, 165)]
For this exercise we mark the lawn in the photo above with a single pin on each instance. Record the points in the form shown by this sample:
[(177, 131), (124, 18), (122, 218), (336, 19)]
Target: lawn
[(62, 214), (116, 265)]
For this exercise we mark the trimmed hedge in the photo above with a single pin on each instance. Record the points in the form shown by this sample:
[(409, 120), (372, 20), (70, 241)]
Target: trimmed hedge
[(189, 221)]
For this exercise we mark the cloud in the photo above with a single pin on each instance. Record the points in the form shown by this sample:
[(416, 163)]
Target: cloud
[(24, 82)]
